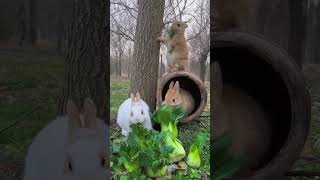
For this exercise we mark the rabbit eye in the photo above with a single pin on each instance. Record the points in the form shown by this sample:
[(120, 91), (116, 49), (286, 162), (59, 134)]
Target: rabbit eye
[(178, 24), (103, 162), (174, 100), (142, 112), (68, 166), (131, 114)]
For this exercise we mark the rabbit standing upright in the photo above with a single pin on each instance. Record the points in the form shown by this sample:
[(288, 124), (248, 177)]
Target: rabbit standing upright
[(73, 147), (176, 96), (177, 49), (132, 111)]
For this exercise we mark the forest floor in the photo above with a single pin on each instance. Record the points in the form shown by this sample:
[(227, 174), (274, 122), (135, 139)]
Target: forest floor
[(30, 84), (310, 157)]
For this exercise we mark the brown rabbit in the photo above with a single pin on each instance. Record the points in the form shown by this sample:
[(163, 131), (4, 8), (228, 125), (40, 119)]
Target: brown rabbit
[(177, 50), (176, 95), (248, 122)]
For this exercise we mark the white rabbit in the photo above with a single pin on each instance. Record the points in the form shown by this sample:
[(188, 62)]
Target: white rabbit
[(132, 111), (73, 147)]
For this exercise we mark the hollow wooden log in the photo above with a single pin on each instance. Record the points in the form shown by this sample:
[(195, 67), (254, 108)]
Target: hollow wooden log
[(265, 103), (190, 83)]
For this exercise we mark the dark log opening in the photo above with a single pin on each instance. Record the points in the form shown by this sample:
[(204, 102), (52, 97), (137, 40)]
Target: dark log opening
[(245, 70)]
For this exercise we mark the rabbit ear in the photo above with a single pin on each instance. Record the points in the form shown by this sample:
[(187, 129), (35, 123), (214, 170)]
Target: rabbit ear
[(73, 116), (90, 113), (73, 113), (171, 85), (137, 98), (176, 85)]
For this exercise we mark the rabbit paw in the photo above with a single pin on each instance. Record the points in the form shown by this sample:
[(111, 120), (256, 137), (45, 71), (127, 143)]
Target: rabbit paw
[(160, 39)]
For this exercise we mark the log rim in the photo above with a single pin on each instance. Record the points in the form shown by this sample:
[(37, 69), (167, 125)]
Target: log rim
[(202, 88), (297, 91)]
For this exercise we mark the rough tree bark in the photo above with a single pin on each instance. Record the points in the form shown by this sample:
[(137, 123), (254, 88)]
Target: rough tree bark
[(32, 22), (297, 30), (144, 72), (120, 55), (21, 26), (60, 27), (203, 60), (86, 63)]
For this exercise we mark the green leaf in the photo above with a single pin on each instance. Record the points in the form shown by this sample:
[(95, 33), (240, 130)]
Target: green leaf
[(122, 160), (170, 34), (194, 156), (168, 117), (177, 113), (115, 148), (227, 170), (225, 164), (124, 178), (221, 149)]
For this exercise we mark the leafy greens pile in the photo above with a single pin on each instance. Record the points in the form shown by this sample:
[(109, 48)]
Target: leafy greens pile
[(154, 154)]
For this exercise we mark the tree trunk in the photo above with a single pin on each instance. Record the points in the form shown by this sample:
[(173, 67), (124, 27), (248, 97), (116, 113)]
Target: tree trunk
[(144, 73), (119, 72), (202, 70), (32, 21), (59, 30), (297, 31), (21, 26), (86, 63), (203, 60)]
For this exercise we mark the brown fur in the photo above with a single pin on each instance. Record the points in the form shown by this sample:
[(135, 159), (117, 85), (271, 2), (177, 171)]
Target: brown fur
[(176, 95), (177, 57), (248, 124)]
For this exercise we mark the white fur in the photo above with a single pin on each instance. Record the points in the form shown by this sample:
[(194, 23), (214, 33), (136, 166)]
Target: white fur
[(47, 154), (124, 120)]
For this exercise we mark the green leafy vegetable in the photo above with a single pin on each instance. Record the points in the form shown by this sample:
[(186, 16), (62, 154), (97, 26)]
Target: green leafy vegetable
[(194, 159), (179, 153), (168, 117), (156, 173), (225, 164), (170, 34), (151, 153), (144, 150)]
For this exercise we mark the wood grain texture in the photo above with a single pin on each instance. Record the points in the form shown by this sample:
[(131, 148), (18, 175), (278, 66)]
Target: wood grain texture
[(87, 57), (144, 68)]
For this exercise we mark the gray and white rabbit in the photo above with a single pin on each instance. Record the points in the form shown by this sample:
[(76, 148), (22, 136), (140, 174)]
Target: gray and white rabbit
[(132, 111), (72, 147)]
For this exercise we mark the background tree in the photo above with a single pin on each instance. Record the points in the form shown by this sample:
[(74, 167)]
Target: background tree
[(86, 63), (297, 30), (32, 22), (200, 41), (144, 73)]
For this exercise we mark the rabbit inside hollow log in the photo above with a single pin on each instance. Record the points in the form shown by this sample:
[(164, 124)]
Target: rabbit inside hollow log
[(176, 96)]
